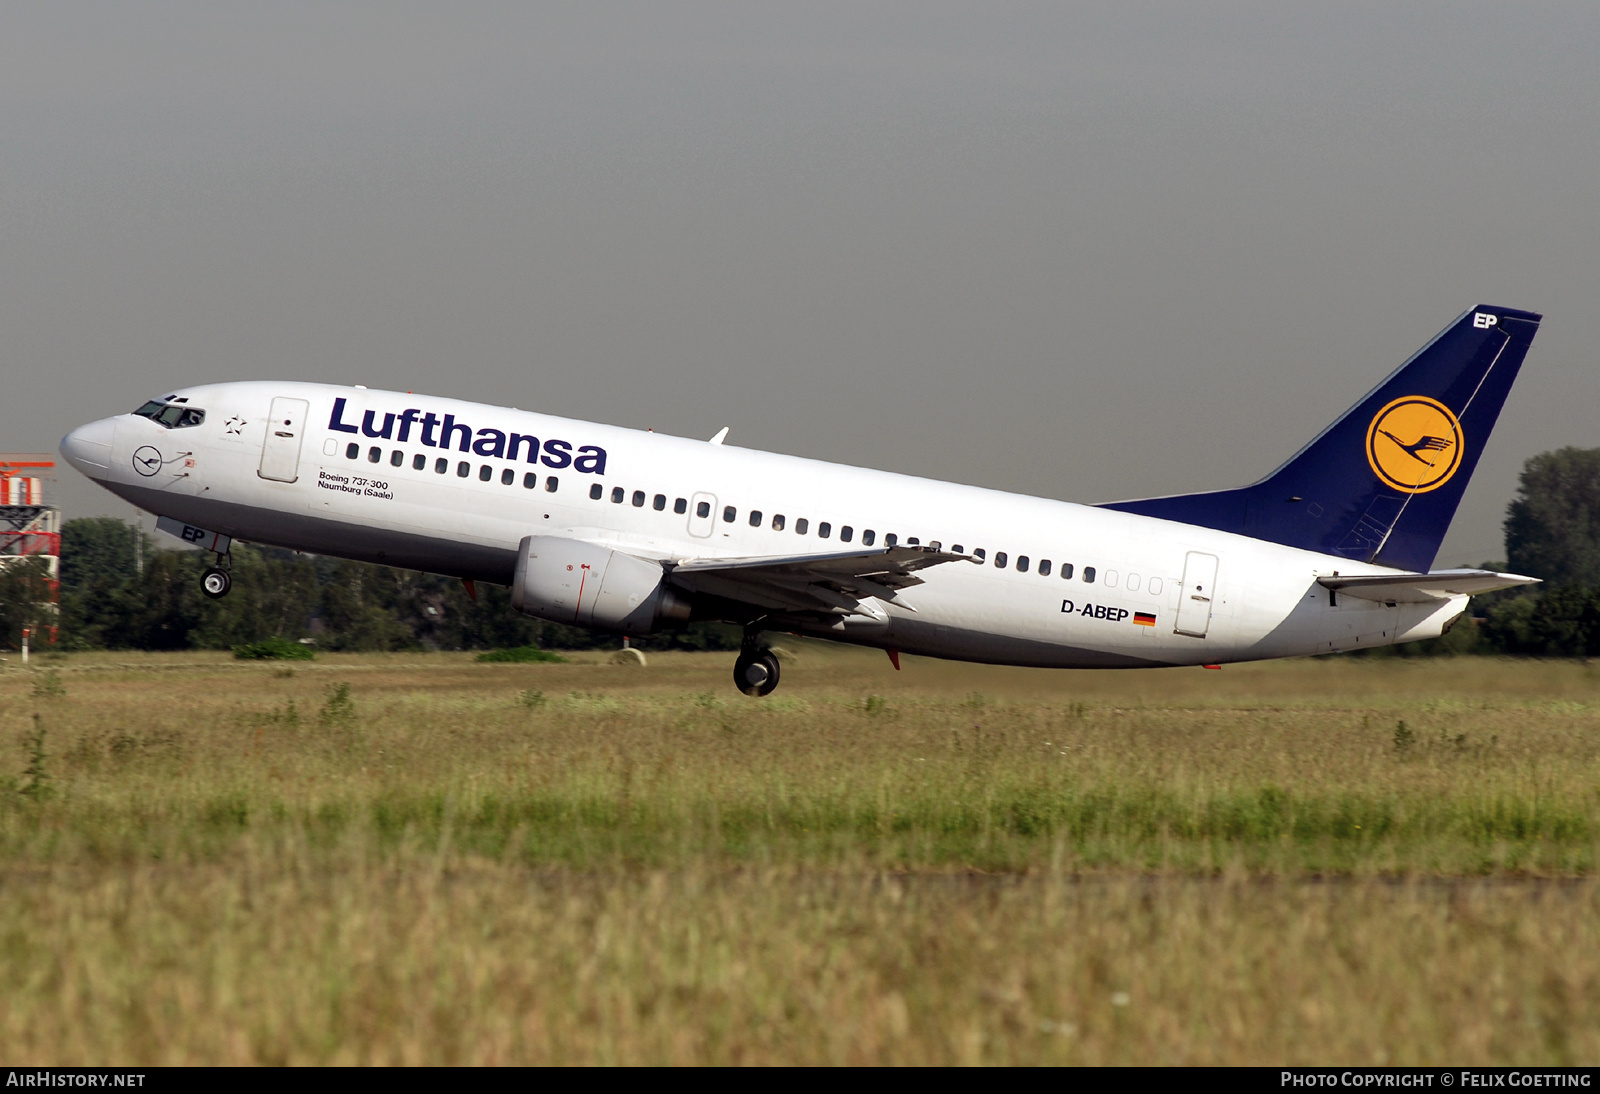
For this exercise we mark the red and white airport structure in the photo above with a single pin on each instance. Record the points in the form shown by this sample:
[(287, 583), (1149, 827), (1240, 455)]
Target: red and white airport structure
[(28, 527)]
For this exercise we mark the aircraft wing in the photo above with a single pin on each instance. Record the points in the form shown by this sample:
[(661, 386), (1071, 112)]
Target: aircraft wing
[(834, 583), (1421, 588)]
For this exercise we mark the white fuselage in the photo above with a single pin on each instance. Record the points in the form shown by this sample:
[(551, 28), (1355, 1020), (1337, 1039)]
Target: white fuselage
[(379, 506)]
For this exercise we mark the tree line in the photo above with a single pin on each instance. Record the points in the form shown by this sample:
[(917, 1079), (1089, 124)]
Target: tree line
[(117, 591), (1552, 532)]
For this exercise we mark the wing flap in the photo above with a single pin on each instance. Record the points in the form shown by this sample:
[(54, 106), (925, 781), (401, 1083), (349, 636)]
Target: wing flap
[(834, 583), (1423, 588)]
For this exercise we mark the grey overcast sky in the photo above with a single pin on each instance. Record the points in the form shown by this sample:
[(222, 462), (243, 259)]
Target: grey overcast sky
[(1086, 251)]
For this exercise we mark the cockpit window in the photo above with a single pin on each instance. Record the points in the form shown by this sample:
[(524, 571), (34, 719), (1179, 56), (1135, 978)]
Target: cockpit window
[(172, 415)]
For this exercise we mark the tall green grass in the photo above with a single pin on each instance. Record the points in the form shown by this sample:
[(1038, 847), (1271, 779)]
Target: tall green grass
[(413, 858), (620, 766), (284, 953)]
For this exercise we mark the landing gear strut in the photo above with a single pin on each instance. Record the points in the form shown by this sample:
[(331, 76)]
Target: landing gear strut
[(216, 581), (756, 670)]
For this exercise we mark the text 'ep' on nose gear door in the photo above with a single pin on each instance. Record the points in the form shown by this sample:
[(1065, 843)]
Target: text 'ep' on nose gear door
[(1194, 602), (280, 452)]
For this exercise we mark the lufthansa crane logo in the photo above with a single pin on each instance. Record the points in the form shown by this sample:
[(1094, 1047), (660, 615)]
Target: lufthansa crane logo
[(1414, 444), (147, 461)]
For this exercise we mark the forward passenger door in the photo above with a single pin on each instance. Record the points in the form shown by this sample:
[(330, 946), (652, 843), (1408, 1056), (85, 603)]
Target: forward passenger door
[(280, 451)]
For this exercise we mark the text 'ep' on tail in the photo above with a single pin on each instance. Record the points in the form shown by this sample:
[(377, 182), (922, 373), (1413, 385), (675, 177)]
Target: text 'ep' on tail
[(1382, 483)]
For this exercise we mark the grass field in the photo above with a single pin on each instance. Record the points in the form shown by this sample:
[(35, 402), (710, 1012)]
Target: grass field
[(419, 858)]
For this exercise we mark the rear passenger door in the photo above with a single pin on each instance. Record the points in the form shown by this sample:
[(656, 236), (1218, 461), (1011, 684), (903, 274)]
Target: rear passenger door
[(1197, 594)]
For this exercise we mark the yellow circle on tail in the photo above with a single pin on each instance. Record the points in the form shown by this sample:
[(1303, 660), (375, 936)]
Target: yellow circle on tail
[(1414, 444)]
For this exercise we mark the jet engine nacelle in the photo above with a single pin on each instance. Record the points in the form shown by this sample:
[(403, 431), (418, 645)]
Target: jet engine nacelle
[(569, 581)]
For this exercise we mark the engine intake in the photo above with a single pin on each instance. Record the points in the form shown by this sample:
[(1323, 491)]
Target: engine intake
[(569, 581)]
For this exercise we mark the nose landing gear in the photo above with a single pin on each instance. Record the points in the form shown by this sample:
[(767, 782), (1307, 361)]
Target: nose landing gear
[(217, 581), (756, 670)]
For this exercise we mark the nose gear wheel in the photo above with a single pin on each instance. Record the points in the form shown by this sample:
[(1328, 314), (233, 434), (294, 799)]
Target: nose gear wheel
[(216, 582)]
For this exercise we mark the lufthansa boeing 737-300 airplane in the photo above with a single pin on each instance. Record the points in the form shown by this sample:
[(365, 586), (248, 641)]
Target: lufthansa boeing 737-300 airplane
[(635, 532)]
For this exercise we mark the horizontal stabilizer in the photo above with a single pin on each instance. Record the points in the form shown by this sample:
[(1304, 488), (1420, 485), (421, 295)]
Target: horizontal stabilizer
[(832, 583), (1422, 588)]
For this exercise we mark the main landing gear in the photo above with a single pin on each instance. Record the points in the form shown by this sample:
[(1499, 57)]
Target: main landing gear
[(756, 670), (217, 581)]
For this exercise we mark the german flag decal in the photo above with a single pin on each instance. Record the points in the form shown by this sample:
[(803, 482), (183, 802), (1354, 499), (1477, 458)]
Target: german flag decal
[(1144, 619)]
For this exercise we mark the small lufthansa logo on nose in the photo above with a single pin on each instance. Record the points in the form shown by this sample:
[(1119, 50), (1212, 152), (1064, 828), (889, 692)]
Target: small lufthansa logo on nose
[(1414, 444), (146, 460)]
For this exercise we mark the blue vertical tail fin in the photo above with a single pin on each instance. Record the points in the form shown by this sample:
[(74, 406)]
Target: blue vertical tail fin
[(1381, 483)]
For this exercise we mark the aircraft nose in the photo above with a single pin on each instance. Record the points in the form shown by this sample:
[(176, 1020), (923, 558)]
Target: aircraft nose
[(88, 448)]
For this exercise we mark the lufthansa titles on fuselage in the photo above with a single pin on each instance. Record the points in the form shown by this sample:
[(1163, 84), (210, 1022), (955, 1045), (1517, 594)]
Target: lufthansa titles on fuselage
[(436, 432)]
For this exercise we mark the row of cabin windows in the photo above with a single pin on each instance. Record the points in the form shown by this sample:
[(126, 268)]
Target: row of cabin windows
[(441, 466), (1088, 575), (730, 515), (658, 503)]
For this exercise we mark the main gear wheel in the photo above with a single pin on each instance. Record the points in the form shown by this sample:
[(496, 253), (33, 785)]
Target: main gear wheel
[(756, 671)]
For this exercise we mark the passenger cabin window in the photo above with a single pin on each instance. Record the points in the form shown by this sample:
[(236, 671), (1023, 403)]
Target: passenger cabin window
[(867, 537), (1133, 583), (441, 465), (933, 545), (396, 458), (374, 454), (1110, 580), (551, 484), (777, 522), (1000, 560), (419, 462), (890, 539), (1044, 567), (729, 514), (352, 450), (659, 502), (824, 530), (485, 473), (1022, 564), (638, 499), (957, 549), (617, 494), (703, 510), (680, 506), (755, 518), (1066, 570), (979, 553), (1155, 586), (912, 541), (845, 533), (172, 415), (463, 469), (596, 491), (801, 525), (507, 477), (1088, 574), (530, 480)]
